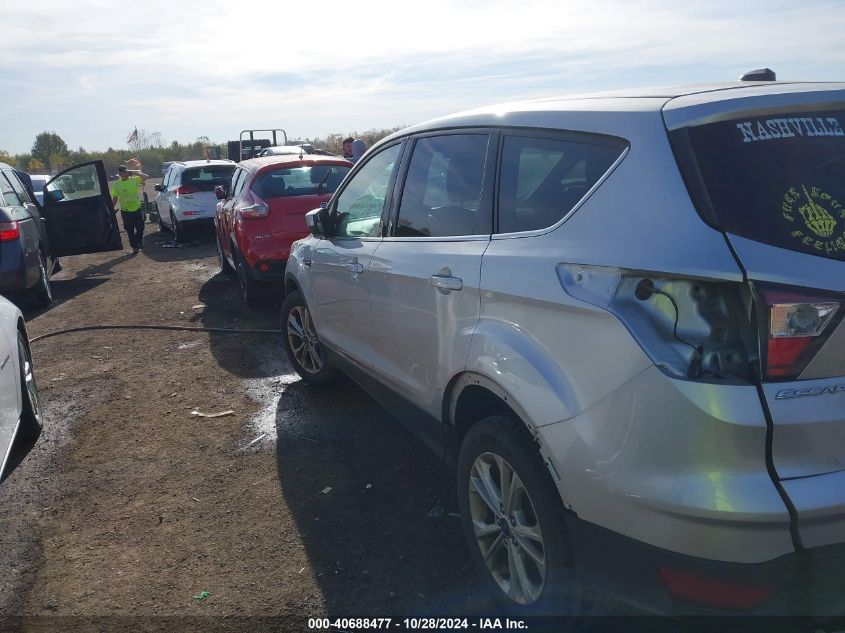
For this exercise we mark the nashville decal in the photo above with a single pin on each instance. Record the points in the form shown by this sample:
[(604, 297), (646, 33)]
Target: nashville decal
[(774, 129)]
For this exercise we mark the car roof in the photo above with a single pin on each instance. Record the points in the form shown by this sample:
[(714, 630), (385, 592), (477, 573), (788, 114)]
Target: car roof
[(201, 163), (658, 100), (254, 164)]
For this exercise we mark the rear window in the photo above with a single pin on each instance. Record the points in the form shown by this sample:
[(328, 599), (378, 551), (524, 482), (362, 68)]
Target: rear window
[(207, 178), (777, 179), (299, 181)]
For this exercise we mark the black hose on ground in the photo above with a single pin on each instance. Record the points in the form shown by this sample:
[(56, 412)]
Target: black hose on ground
[(174, 328)]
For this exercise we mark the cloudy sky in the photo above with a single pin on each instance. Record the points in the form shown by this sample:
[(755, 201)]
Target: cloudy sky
[(92, 71)]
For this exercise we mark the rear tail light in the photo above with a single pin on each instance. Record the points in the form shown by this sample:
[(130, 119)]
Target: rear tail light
[(258, 209), (182, 190), (9, 231), (187, 213), (691, 329), (797, 325)]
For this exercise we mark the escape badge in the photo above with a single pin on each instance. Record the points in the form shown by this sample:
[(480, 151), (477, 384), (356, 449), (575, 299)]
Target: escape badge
[(817, 218)]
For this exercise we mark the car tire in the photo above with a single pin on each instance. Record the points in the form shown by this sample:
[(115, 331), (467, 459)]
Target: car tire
[(30, 423), (225, 266), (249, 288), (302, 344), (42, 293), (520, 548), (161, 226), (177, 228)]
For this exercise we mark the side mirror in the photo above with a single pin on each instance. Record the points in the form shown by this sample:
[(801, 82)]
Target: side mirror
[(54, 195), (158, 187), (316, 220), (220, 192)]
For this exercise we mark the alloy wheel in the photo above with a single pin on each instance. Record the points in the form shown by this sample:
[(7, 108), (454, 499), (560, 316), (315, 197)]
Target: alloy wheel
[(303, 340), (506, 529)]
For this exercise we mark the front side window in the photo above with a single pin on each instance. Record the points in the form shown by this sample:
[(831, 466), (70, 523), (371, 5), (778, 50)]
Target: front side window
[(542, 179), (77, 183), (442, 192), (239, 183), (285, 182), (357, 212)]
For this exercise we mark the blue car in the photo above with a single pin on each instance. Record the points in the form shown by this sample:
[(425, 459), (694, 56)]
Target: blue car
[(76, 217)]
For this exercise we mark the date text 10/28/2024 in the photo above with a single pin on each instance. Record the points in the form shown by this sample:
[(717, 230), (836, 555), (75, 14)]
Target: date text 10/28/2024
[(417, 624)]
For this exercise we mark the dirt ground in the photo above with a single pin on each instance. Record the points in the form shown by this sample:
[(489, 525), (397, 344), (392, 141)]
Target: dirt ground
[(304, 503)]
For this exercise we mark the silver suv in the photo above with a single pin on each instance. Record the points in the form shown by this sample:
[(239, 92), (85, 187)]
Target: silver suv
[(618, 318)]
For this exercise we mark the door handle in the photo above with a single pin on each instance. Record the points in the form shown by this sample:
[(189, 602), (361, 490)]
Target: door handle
[(447, 283), (354, 267)]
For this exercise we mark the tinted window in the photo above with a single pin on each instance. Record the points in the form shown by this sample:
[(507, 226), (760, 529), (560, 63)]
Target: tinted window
[(359, 205), (442, 191), (19, 187), (10, 198), (238, 184), (76, 183), (541, 179), (778, 179), (299, 181), (38, 184), (208, 177)]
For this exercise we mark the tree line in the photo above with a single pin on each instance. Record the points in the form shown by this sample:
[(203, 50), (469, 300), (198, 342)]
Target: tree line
[(50, 153)]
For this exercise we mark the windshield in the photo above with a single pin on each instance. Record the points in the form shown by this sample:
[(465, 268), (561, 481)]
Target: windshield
[(778, 179), (206, 178), (299, 181)]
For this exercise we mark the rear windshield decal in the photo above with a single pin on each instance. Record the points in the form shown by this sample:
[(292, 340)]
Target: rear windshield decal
[(774, 129), (818, 215)]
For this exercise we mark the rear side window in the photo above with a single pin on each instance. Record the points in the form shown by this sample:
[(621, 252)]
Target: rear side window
[(285, 182), (777, 179), (542, 179), (207, 178), (442, 190), (10, 197)]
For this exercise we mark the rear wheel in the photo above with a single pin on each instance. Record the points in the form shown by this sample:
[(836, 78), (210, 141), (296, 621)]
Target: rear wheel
[(31, 410), (250, 289), (302, 344), (42, 293), (514, 520), (178, 229)]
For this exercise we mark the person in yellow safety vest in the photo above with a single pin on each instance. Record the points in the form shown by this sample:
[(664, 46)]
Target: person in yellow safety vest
[(127, 192)]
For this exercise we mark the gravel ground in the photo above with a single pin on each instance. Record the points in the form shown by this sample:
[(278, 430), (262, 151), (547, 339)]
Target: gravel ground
[(128, 507)]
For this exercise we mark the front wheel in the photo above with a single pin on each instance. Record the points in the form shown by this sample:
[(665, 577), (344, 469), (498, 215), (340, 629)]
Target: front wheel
[(301, 343), (514, 520), (225, 266), (31, 410)]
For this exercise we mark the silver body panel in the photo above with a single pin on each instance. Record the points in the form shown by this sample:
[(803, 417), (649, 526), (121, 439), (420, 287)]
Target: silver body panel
[(674, 463), (11, 403)]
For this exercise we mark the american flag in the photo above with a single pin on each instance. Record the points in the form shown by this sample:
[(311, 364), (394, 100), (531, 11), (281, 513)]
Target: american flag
[(133, 137)]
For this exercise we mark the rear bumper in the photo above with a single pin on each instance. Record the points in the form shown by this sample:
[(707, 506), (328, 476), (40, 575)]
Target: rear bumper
[(275, 270), (13, 272), (806, 584)]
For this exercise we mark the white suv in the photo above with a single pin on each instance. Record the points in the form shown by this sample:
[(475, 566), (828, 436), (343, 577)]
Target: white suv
[(619, 320), (186, 196)]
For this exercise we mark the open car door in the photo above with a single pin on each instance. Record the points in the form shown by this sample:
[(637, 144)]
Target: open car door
[(79, 212)]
